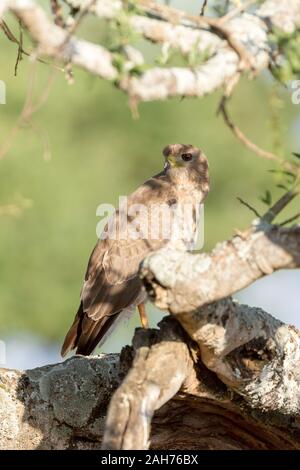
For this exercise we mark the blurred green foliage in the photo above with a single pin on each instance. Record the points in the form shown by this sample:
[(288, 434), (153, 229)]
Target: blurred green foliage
[(288, 46), (99, 152)]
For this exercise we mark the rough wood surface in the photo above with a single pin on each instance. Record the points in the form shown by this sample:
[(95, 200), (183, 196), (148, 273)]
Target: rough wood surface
[(217, 374), (169, 398), (57, 406), (248, 371), (160, 368)]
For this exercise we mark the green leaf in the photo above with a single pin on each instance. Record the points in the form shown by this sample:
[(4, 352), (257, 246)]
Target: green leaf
[(290, 177), (297, 155), (267, 198), (282, 186)]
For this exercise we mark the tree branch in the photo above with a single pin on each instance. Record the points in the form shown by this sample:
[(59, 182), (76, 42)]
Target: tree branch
[(190, 406), (251, 352), (243, 138), (245, 36), (161, 365), (244, 346), (181, 282)]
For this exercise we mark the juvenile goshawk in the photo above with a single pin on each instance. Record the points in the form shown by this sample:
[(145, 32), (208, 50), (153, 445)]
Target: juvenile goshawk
[(112, 285)]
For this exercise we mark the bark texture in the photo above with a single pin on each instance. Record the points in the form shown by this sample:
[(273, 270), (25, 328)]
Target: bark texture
[(242, 394), (181, 282), (58, 406)]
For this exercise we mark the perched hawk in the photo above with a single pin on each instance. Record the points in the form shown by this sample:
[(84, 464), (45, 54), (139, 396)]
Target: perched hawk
[(151, 218)]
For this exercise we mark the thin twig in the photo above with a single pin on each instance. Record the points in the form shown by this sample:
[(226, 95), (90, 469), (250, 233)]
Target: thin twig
[(291, 219), (290, 167), (20, 49), (9, 34), (70, 31), (166, 13), (43, 136), (32, 109), (74, 26), (57, 13), (29, 108), (241, 136), (203, 7), (249, 207)]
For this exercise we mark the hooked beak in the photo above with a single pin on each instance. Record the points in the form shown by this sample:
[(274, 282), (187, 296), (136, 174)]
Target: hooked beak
[(172, 161)]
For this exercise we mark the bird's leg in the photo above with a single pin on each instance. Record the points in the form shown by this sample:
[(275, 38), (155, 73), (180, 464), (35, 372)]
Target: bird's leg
[(143, 315)]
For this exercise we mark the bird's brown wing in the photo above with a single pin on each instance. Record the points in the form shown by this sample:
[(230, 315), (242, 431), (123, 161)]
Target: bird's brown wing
[(111, 282)]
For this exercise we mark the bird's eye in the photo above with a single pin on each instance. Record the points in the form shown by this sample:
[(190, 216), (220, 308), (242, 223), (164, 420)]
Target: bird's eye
[(186, 157)]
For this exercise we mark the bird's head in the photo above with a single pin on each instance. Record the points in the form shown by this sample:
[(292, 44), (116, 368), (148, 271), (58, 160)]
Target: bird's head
[(187, 159)]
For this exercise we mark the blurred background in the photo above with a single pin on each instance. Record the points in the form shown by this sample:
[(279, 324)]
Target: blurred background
[(84, 148)]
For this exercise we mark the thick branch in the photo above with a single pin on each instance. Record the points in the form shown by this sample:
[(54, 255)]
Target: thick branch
[(244, 35), (250, 351), (58, 406), (182, 282), (161, 365)]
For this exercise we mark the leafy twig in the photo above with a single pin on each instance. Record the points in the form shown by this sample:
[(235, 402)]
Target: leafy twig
[(279, 205), (249, 207), (203, 7), (242, 137), (291, 219), (9, 34)]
